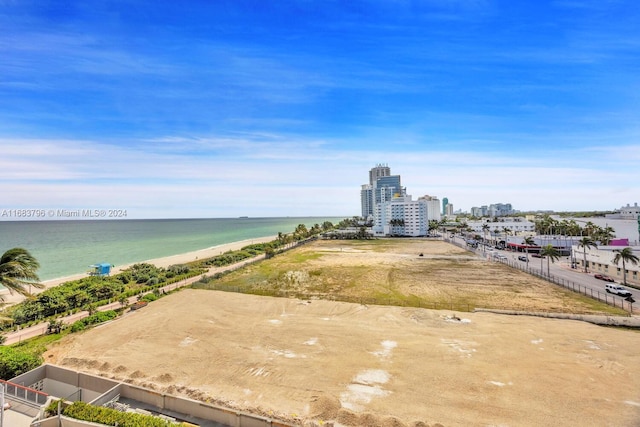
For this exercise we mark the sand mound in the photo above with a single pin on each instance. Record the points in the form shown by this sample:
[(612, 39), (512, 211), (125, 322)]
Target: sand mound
[(324, 407), (136, 374), (164, 378)]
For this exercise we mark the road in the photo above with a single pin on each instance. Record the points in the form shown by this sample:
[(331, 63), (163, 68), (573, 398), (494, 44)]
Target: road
[(563, 274), (561, 270)]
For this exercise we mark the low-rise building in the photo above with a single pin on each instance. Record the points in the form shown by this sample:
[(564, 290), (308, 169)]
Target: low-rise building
[(600, 260)]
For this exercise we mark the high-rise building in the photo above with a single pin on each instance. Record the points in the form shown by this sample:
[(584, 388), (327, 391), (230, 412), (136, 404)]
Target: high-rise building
[(378, 172), (385, 201), (386, 188), (445, 202), (366, 201), (493, 210), (433, 207), (382, 186), (449, 209)]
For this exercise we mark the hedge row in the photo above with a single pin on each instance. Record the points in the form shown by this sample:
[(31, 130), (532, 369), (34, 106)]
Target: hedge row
[(111, 417), (99, 317)]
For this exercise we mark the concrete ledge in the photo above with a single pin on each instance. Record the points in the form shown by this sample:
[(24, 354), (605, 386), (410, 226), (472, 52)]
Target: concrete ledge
[(628, 322)]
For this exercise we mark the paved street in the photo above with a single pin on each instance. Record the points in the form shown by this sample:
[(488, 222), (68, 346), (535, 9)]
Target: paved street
[(562, 272)]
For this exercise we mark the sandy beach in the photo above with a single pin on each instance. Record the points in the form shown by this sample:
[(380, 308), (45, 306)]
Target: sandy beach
[(10, 299)]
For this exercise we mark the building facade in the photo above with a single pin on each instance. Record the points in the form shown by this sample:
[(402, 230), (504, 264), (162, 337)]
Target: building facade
[(600, 260), (366, 201), (378, 171), (493, 210), (385, 202), (401, 216), (433, 207), (382, 186), (627, 212)]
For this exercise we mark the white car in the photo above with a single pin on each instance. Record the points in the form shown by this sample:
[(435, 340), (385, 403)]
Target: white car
[(614, 288)]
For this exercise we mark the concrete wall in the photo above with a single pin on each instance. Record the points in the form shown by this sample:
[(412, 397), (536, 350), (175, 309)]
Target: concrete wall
[(106, 397), (628, 322), (243, 421), (31, 377), (66, 422), (192, 407), (62, 382), (61, 389), (68, 384)]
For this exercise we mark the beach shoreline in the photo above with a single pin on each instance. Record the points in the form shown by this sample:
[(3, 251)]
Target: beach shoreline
[(162, 262)]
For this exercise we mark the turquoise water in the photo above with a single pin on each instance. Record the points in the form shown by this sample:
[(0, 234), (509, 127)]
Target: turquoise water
[(65, 248)]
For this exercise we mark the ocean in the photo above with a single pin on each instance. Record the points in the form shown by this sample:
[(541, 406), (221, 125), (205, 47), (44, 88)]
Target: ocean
[(65, 248)]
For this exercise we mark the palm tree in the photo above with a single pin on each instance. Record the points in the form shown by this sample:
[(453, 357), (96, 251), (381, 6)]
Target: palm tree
[(604, 235), (18, 270), (589, 228), (433, 225), (529, 242), (301, 232), (327, 225), (550, 253), (584, 243), (573, 228), (507, 232), (626, 255), (485, 228)]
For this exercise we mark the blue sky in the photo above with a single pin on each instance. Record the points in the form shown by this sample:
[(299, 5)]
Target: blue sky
[(229, 108)]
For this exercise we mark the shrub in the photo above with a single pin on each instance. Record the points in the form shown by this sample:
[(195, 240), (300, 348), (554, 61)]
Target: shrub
[(149, 297), (14, 362), (107, 416), (98, 317), (78, 326)]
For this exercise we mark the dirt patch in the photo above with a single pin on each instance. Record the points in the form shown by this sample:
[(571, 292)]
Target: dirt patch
[(392, 272), (333, 361), (316, 362)]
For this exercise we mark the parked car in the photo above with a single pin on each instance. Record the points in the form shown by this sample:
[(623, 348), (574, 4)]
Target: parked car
[(523, 258), (613, 288), (603, 277), (537, 256)]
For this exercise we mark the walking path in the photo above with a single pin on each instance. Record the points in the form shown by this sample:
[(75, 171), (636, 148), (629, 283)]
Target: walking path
[(41, 328)]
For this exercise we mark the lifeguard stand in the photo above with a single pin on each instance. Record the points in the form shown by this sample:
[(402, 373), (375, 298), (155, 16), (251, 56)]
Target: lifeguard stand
[(102, 269)]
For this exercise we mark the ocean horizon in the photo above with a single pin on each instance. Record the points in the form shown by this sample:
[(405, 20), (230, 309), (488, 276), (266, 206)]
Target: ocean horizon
[(68, 247)]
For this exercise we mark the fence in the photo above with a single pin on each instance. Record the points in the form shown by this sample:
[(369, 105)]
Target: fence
[(609, 299), (23, 393)]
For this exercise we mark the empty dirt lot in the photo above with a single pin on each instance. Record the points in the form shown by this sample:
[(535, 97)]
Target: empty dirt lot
[(317, 361)]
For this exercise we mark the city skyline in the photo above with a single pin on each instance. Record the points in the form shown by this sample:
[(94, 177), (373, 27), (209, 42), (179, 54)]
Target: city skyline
[(225, 109)]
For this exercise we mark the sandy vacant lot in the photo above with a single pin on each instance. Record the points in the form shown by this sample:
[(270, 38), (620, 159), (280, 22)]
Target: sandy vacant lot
[(328, 360), (392, 272), (352, 364)]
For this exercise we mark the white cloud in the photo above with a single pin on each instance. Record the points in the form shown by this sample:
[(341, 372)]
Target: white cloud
[(275, 178)]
